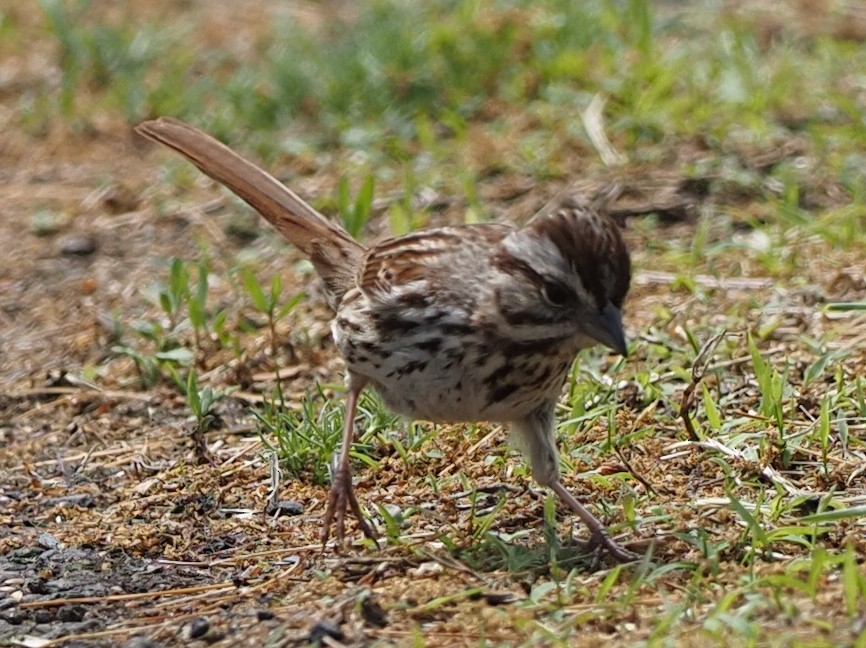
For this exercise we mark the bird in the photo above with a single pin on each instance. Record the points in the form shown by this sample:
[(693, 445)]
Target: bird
[(462, 323)]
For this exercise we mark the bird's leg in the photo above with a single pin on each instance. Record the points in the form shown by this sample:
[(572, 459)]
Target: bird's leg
[(342, 494), (534, 435)]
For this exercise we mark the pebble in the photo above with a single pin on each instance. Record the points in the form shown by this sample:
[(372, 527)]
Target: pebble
[(13, 617), (323, 629), (285, 507), (78, 245), (48, 541), (142, 642), (71, 613), (197, 628)]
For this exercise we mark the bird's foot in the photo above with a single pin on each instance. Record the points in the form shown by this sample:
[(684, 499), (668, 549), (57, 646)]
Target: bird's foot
[(341, 498), (600, 541)]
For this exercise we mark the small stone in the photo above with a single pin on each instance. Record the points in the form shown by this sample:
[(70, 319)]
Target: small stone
[(393, 510), (46, 222), (78, 245), (37, 586), (13, 617), (142, 642), (120, 199), (6, 603), (426, 570), (71, 613), (48, 541), (88, 286), (323, 629), (499, 598), (197, 628), (373, 614), (285, 507)]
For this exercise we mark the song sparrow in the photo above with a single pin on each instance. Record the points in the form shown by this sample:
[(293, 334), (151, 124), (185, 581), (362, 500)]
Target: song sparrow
[(465, 323)]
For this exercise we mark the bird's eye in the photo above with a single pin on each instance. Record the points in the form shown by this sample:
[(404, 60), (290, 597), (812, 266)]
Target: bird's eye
[(556, 294)]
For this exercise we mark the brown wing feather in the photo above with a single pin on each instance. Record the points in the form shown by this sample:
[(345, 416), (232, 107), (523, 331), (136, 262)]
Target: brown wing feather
[(334, 253), (396, 263)]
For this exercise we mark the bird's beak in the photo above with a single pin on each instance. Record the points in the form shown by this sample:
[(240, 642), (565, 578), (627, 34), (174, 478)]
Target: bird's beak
[(607, 329)]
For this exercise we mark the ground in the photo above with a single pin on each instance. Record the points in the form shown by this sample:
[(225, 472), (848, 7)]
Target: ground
[(729, 447)]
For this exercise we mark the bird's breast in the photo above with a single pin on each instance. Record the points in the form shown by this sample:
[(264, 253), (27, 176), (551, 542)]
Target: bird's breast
[(439, 364)]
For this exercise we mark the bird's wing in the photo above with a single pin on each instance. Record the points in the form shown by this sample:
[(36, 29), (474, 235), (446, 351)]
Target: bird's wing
[(411, 269)]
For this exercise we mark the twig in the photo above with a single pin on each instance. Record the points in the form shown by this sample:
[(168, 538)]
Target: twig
[(128, 597), (451, 563), (275, 474), (733, 362), (75, 457), (633, 472), (78, 391), (699, 368), (449, 638), (149, 626), (257, 443), (648, 277), (593, 122), (65, 394), (234, 560)]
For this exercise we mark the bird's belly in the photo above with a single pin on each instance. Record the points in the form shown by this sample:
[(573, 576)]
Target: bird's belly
[(458, 374), (496, 390)]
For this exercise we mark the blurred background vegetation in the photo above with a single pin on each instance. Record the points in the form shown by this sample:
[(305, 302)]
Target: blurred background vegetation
[(404, 88)]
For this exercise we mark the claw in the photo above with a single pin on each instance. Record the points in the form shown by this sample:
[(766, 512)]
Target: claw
[(341, 498), (601, 541)]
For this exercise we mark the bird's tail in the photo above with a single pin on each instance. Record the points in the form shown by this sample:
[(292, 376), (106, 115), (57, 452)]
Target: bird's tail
[(333, 252)]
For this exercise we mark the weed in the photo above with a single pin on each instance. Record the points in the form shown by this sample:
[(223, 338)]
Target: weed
[(355, 215), (201, 401), (268, 303)]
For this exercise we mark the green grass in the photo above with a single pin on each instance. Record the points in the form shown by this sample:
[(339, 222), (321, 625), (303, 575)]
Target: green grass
[(407, 78), (400, 72)]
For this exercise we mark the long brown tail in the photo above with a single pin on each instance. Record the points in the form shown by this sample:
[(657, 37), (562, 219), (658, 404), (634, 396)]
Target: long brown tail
[(334, 254)]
